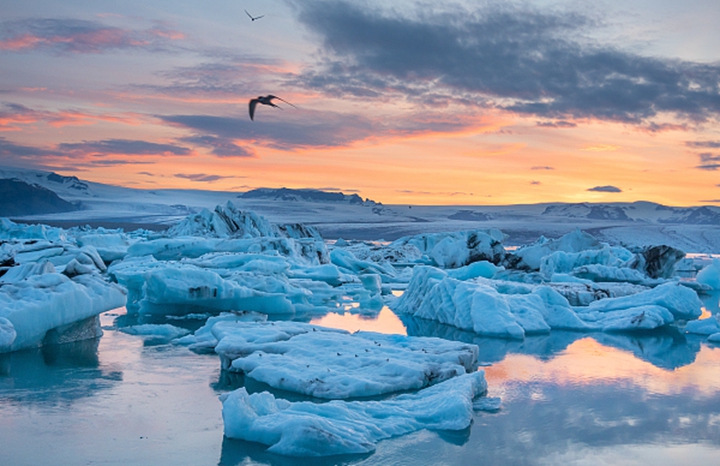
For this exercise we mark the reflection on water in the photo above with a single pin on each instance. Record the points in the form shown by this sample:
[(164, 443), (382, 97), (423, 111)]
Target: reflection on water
[(567, 397), (384, 322), (60, 374)]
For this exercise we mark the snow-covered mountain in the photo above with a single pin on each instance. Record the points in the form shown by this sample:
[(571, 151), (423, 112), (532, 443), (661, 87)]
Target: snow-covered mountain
[(348, 216)]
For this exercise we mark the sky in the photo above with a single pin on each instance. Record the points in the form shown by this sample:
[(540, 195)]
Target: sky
[(402, 102)]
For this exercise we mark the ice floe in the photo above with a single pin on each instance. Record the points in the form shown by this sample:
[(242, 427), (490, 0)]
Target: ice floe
[(334, 364), (514, 310), (309, 429)]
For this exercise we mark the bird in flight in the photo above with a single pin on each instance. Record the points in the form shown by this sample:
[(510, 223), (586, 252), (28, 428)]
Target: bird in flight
[(265, 100), (253, 17)]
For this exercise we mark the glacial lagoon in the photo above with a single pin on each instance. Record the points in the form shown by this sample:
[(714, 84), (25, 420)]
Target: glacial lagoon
[(566, 397)]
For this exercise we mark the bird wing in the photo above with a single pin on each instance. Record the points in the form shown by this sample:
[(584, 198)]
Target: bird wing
[(251, 107), (258, 17), (282, 100), (246, 12)]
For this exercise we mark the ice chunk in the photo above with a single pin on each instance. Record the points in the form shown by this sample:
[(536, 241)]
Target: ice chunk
[(225, 221), (530, 257), (161, 331), (7, 334), (704, 326), (203, 340), (657, 261), (478, 306), (710, 275), (41, 303), (483, 269), (456, 249), (110, 246), (176, 290), (338, 427), (565, 262), (328, 363), (683, 303)]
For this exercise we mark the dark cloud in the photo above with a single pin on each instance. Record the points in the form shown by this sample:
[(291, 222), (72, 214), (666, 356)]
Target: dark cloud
[(512, 57), (703, 144), (80, 36), (316, 131), (556, 124), (220, 146), (545, 167), (10, 150), (202, 177), (535, 183), (709, 157), (709, 166), (114, 162), (605, 189), (298, 128), (663, 127), (123, 146)]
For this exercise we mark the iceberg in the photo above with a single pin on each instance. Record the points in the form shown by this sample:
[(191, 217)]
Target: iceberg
[(456, 249), (710, 275), (308, 429), (333, 364), (513, 310)]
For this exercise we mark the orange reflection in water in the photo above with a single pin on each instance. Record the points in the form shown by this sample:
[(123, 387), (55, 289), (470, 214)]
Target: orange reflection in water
[(385, 322), (588, 362)]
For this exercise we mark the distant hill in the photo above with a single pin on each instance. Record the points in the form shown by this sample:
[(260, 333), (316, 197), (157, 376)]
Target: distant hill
[(315, 195), (19, 198)]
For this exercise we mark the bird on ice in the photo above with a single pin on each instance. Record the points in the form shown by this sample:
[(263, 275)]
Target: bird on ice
[(265, 100), (253, 17)]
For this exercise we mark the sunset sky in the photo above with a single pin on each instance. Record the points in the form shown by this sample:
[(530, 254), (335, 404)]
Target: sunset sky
[(466, 102)]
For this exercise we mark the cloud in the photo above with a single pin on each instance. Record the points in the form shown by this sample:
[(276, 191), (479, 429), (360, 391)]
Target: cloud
[(317, 131), (517, 58), (556, 124), (80, 36), (709, 166), (709, 157), (605, 189), (703, 144), (10, 150), (301, 128), (13, 115), (220, 146), (535, 183), (203, 178), (542, 168), (124, 147)]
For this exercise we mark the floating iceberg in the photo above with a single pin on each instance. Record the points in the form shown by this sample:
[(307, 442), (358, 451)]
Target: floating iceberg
[(333, 364), (456, 249), (51, 291), (512, 310), (339, 427), (39, 304), (710, 275)]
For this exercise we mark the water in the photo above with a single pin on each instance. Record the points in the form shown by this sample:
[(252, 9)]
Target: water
[(567, 398)]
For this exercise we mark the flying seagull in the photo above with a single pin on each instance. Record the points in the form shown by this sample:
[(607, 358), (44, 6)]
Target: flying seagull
[(265, 100), (253, 17)]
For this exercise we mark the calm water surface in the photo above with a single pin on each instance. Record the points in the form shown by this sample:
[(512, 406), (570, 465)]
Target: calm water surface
[(567, 398)]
